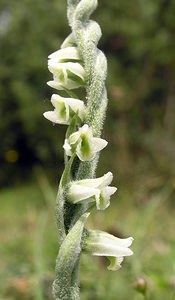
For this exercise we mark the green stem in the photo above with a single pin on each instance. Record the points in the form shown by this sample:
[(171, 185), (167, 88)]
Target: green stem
[(65, 286)]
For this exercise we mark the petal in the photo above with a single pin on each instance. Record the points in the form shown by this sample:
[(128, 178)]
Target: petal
[(104, 199), (84, 153), (115, 263), (56, 85), (69, 41), (85, 129), (54, 118), (76, 69), (69, 53), (60, 85), (101, 202), (66, 75), (84, 149), (109, 249), (61, 69), (61, 108), (97, 182), (67, 148), (75, 105), (58, 69), (78, 193), (73, 139), (126, 242), (98, 144), (108, 191), (103, 244)]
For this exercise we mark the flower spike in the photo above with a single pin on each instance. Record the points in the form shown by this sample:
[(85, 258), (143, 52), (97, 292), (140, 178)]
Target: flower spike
[(80, 63)]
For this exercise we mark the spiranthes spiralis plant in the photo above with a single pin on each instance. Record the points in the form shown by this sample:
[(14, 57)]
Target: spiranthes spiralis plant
[(79, 64)]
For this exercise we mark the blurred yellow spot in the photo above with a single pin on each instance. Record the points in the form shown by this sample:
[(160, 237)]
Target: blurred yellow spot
[(11, 156)]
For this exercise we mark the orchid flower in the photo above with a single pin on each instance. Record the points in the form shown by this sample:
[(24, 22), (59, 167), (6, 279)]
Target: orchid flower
[(84, 144), (65, 108), (92, 190), (66, 75), (101, 243)]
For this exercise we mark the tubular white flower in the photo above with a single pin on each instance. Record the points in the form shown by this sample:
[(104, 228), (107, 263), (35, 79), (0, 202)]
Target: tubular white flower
[(84, 144), (65, 108), (92, 190), (101, 243), (66, 75)]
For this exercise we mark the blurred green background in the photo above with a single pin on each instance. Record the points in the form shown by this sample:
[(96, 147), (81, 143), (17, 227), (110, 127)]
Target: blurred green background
[(138, 39)]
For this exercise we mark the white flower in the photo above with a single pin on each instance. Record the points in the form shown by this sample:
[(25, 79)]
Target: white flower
[(65, 54), (65, 108), (66, 75), (101, 243), (92, 190), (84, 144)]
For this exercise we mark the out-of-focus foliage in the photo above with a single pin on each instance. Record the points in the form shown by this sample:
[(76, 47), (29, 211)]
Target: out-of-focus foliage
[(29, 31), (138, 39)]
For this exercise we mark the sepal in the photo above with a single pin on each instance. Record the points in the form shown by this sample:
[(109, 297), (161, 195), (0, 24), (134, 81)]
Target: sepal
[(65, 54), (69, 41), (101, 243)]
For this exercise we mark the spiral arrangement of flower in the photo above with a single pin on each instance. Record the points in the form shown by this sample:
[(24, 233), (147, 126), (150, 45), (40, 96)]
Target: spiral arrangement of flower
[(80, 64)]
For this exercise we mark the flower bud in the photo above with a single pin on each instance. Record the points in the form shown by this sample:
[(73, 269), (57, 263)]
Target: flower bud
[(141, 286)]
